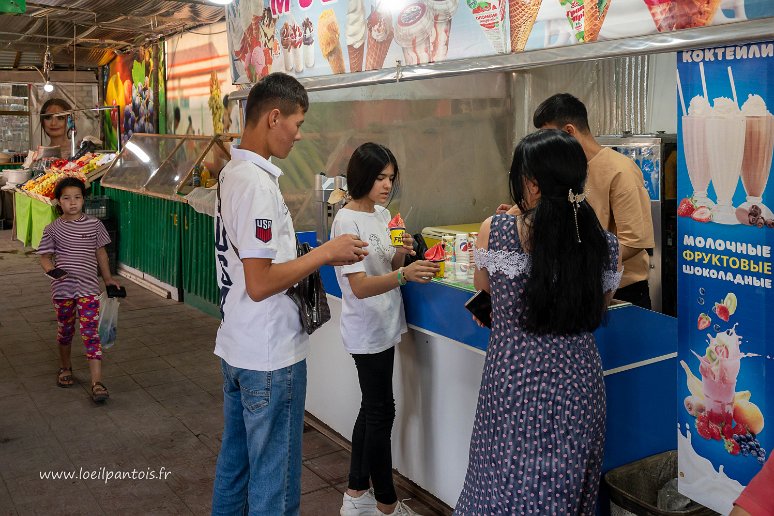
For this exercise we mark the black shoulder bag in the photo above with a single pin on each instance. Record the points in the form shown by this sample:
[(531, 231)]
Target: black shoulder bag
[(308, 294), (420, 248)]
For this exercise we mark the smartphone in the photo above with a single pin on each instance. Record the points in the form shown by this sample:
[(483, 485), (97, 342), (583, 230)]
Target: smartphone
[(480, 305), (113, 291), (56, 273)]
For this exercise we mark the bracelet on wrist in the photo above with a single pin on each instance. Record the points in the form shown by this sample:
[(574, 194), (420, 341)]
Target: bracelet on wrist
[(402, 280)]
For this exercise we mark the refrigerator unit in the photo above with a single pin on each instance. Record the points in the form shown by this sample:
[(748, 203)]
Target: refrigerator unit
[(656, 155)]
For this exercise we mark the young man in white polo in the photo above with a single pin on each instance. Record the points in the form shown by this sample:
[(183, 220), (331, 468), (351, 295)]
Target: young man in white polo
[(261, 342)]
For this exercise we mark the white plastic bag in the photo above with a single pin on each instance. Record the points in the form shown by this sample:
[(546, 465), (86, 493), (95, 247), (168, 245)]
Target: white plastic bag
[(108, 320), (203, 200)]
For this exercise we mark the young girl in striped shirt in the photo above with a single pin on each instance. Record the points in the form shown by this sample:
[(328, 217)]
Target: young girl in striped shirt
[(75, 244)]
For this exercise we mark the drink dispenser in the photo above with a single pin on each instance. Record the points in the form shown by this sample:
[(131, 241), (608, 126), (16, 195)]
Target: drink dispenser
[(326, 210), (339, 184)]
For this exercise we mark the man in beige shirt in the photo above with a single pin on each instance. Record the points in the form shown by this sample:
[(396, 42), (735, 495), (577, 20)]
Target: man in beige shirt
[(615, 189)]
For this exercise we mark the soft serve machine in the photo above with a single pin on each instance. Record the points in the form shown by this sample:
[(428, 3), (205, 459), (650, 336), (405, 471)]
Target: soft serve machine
[(329, 195)]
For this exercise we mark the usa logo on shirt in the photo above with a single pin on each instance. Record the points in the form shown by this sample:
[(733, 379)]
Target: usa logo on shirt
[(263, 230)]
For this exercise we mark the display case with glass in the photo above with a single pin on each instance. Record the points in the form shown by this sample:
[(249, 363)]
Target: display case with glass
[(14, 118), (162, 165)]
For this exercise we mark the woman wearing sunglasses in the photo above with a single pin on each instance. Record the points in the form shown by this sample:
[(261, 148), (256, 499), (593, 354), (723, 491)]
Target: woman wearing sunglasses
[(54, 124)]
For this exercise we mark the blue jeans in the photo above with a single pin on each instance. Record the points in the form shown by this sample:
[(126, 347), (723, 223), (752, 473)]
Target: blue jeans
[(259, 465)]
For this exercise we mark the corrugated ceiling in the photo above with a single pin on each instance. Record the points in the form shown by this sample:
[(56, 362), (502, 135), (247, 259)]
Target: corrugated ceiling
[(101, 28)]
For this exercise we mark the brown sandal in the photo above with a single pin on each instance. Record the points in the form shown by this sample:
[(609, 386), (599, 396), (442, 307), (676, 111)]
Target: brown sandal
[(99, 392), (64, 380)]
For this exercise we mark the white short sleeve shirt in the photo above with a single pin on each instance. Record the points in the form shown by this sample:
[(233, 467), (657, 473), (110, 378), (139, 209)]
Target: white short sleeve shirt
[(373, 324), (253, 218)]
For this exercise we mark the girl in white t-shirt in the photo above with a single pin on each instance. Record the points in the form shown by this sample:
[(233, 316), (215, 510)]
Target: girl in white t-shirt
[(372, 321)]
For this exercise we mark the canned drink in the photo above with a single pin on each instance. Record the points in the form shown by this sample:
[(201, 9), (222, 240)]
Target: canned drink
[(461, 256), (461, 248), (448, 249), (472, 240), (461, 271)]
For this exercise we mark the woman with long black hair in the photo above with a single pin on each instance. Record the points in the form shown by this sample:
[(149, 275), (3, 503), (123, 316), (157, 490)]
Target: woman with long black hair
[(539, 431)]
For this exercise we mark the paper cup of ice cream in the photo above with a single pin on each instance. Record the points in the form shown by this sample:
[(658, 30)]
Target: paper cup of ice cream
[(396, 235), (441, 272), (437, 255), (397, 228)]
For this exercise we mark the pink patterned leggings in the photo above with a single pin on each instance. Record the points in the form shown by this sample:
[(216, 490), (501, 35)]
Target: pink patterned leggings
[(88, 318)]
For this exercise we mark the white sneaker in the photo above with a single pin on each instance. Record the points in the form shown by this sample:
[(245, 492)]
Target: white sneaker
[(400, 510), (363, 505)]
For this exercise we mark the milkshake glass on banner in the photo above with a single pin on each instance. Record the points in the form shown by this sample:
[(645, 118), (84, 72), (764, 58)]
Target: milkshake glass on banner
[(719, 369), (719, 393), (725, 132), (694, 148), (414, 32), (758, 147)]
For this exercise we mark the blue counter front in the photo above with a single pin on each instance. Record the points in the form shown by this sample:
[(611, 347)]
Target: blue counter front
[(638, 350)]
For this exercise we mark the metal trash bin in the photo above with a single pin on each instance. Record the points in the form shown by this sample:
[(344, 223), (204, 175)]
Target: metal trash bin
[(634, 487)]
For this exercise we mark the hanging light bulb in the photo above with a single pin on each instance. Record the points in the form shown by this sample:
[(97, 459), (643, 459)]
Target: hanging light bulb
[(48, 64)]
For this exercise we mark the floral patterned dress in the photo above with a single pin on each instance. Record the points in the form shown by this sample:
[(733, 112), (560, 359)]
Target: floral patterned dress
[(539, 431)]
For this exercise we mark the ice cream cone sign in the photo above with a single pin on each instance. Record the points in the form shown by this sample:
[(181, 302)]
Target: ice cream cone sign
[(356, 34), (664, 14), (586, 17), (328, 34), (491, 18), (380, 36), (522, 14), (696, 13)]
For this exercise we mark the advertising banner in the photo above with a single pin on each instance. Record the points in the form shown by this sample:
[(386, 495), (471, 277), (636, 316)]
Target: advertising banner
[(310, 38), (725, 292), (135, 83), (198, 81)]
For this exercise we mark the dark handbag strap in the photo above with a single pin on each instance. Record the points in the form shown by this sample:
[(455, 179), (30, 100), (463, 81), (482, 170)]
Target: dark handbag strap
[(301, 250)]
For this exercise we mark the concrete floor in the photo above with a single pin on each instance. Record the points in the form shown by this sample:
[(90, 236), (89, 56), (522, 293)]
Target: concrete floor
[(165, 410)]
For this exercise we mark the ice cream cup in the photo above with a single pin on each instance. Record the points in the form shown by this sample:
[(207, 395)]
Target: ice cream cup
[(396, 236), (307, 30), (287, 52), (309, 53), (298, 57), (443, 12), (414, 33), (441, 271)]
